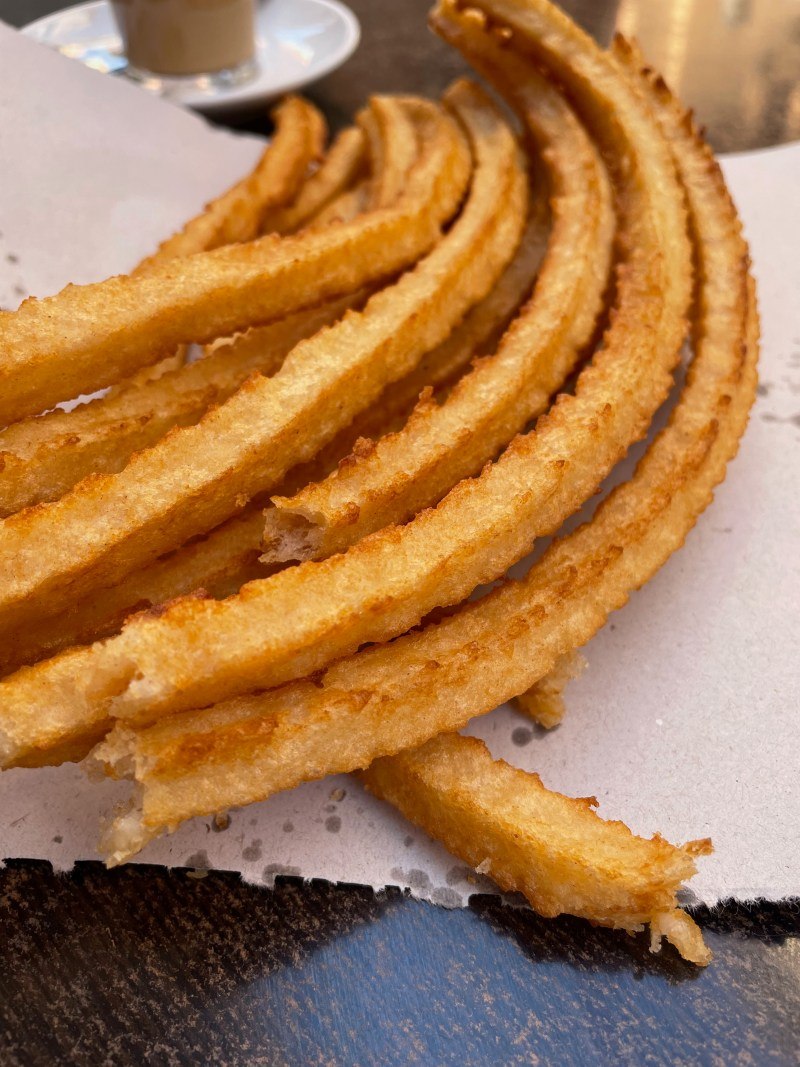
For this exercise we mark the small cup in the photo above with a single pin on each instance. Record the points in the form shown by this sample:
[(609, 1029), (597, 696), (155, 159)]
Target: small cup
[(207, 43)]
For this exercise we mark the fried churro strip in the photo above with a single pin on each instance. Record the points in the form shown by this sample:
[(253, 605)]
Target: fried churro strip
[(218, 565), (441, 444), (44, 456), (553, 849), (439, 368), (197, 476), (51, 348), (391, 697), (397, 696), (103, 613), (482, 526), (293, 623), (544, 701), (391, 158), (296, 621), (428, 294), (235, 216), (340, 167), (390, 146), (343, 208), (476, 334)]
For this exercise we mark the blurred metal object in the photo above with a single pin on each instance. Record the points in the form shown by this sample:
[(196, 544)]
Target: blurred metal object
[(735, 62)]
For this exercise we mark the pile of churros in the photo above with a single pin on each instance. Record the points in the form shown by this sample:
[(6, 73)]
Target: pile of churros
[(422, 348)]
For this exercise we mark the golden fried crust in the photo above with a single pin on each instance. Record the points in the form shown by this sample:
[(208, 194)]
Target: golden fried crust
[(387, 582), (554, 849), (298, 141), (391, 157), (544, 700), (440, 368), (41, 458), (343, 208), (219, 564), (441, 444), (396, 696), (197, 476), (293, 623), (342, 165), (52, 348)]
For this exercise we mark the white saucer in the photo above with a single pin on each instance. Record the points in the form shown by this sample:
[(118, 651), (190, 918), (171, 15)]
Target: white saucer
[(299, 41)]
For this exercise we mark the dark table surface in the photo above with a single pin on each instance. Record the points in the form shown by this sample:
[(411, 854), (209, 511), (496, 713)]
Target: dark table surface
[(142, 965)]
